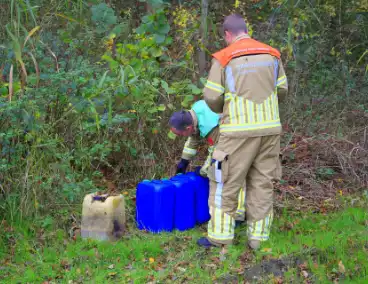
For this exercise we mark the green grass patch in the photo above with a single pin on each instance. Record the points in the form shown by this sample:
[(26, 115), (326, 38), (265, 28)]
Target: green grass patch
[(331, 246)]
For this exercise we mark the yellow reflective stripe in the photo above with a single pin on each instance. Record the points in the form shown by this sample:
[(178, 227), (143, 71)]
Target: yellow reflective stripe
[(224, 228), (231, 226), (207, 163), (271, 107), (246, 111), (244, 127), (229, 96), (249, 115), (250, 111), (189, 151), (259, 113), (232, 112), (268, 110), (227, 221), (241, 110), (217, 227), (211, 223), (222, 222), (241, 201), (221, 237), (274, 98), (236, 108), (209, 157), (260, 230), (214, 86), (213, 89), (281, 80)]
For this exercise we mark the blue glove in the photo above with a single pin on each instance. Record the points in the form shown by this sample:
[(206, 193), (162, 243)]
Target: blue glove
[(198, 170), (182, 166)]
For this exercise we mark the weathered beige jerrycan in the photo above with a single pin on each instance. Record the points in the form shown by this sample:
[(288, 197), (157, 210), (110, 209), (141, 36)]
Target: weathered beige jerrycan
[(103, 217)]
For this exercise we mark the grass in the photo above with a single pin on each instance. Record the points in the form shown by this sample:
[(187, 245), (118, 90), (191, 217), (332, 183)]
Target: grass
[(329, 247)]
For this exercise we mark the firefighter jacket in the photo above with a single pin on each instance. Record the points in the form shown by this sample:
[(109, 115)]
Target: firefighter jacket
[(243, 85), (205, 123)]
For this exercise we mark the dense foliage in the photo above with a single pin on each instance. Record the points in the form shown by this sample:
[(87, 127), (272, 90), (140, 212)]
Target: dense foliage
[(86, 87)]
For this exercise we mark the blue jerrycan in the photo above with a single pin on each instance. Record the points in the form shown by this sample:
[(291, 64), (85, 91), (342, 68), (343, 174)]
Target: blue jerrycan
[(184, 208), (202, 192), (155, 206)]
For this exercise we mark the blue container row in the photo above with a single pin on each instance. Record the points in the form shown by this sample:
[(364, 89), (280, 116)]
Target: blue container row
[(179, 203)]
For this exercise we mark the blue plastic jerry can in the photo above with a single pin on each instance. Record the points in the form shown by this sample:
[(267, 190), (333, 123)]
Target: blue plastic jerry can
[(184, 208), (155, 206), (202, 192)]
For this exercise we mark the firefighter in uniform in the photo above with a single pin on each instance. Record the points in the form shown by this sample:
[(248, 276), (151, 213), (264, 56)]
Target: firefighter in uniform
[(244, 83), (200, 122)]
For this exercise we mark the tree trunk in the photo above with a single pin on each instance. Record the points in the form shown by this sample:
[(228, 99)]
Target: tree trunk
[(202, 62)]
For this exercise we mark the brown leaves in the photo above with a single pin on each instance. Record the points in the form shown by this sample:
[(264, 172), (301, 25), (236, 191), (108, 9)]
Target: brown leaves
[(64, 264)]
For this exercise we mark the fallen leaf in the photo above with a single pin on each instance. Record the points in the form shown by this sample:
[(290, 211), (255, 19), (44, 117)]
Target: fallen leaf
[(125, 193), (65, 264), (129, 267), (211, 265), (341, 267), (112, 274), (305, 274), (278, 280), (267, 250)]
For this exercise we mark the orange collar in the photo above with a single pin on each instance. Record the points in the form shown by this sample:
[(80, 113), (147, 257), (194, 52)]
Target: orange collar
[(244, 45)]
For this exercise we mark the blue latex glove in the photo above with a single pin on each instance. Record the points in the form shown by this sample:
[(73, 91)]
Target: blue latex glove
[(182, 166), (198, 170)]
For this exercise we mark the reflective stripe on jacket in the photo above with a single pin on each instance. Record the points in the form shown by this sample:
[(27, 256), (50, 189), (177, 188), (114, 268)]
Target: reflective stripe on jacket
[(192, 143), (246, 91)]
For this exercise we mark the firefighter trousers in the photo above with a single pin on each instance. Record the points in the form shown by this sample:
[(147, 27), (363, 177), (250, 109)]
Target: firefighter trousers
[(240, 211), (253, 161)]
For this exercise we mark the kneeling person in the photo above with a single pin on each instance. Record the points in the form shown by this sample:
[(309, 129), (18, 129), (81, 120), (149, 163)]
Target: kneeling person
[(200, 122)]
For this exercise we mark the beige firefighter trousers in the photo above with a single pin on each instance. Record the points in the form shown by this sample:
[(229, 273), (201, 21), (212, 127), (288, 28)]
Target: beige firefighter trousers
[(240, 211), (253, 161)]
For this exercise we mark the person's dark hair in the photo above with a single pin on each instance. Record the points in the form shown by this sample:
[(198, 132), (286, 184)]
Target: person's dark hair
[(235, 24), (180, 120)]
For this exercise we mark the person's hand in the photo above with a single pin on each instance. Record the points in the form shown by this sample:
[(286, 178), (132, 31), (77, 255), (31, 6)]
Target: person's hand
[(198, 171), (182, 166)]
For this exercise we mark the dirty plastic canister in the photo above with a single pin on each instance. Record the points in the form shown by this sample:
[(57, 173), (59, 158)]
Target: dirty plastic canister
[(103, 217)]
